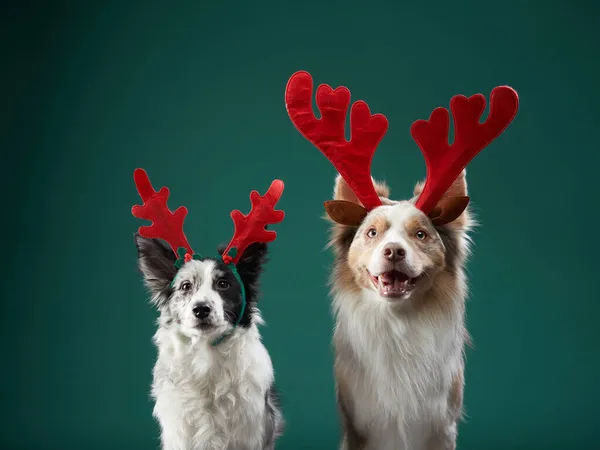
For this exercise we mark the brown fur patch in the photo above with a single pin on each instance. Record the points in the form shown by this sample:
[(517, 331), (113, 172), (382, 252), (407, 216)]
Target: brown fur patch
[(342, 278), (456, 251), (444, 301), (380, 223), (455, 398), (354, 440), (416, 223), (360, 252)]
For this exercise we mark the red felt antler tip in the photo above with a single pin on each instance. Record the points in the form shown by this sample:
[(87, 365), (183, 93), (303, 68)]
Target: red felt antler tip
[(300, 75), (251, 228), (505, 90), (142, 182), (276, 189), (165, 225)]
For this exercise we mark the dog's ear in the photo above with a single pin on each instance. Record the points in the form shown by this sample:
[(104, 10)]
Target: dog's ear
[(448, 209), (345, 208), (250, 266), (157, 263), (457, 189), (451, 210), (342, 191), (345, 212)]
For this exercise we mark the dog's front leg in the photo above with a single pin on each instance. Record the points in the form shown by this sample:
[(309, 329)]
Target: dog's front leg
[(215, 444), (351, 439), (175, 440), (446, 432), (175, 435), (443, 439), (208, 437)]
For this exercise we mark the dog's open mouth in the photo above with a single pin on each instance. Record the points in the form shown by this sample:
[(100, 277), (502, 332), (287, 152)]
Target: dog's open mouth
[(393, 284)]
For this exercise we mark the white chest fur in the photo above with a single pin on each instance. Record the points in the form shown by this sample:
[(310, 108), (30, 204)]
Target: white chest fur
[(398, 369), (211, 397)]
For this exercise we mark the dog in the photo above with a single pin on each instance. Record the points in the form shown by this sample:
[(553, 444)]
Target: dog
[(210, 395), (399, 289)]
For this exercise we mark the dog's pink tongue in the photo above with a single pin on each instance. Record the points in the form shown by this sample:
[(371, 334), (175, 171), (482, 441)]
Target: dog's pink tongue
[(395, 280), (387, 278), (400, 284)]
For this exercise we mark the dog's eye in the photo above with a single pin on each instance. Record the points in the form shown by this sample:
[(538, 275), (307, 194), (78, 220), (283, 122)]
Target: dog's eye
[(186, 286), (222, 285), (420, 235), (371, 232)]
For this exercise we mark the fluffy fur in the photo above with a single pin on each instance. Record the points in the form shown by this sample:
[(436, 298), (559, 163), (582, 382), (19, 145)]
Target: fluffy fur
[(209, 397), (399, 292)]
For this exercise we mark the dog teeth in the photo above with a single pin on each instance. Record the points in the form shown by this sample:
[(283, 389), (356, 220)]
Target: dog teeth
[(394, 284)]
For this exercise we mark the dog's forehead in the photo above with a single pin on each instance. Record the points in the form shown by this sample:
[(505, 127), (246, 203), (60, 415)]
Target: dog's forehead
[(396, 215), (402, 212), (198, 269)]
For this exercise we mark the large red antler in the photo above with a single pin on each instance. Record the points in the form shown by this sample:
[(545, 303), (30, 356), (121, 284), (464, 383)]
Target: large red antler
[(445, 162), (251, 228), (351, 159), (165, 225)]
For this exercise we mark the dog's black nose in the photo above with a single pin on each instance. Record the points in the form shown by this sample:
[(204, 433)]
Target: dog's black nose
[(201, 310), (393, 252)]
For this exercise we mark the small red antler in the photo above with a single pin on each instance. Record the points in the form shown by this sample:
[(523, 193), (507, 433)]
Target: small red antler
[(251, 228), (445, 162), (165, 224), (351, 159)]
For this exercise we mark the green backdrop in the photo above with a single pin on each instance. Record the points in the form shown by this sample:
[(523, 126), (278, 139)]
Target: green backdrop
[(193, 92)]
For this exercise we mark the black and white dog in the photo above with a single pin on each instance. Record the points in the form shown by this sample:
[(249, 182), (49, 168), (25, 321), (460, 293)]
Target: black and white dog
[(209, 395)]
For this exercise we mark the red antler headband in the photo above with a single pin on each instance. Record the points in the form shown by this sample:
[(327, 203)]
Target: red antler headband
[(168, 226), (353, 158)]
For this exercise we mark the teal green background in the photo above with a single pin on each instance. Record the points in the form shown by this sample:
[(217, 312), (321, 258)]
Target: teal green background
[(193, 92)]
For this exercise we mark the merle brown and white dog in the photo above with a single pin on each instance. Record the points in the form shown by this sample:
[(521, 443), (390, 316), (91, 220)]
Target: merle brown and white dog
[(398, 281), (399, 291)]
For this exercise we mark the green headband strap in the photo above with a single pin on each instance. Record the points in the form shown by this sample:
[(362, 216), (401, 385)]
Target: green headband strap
[(181, 261)]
